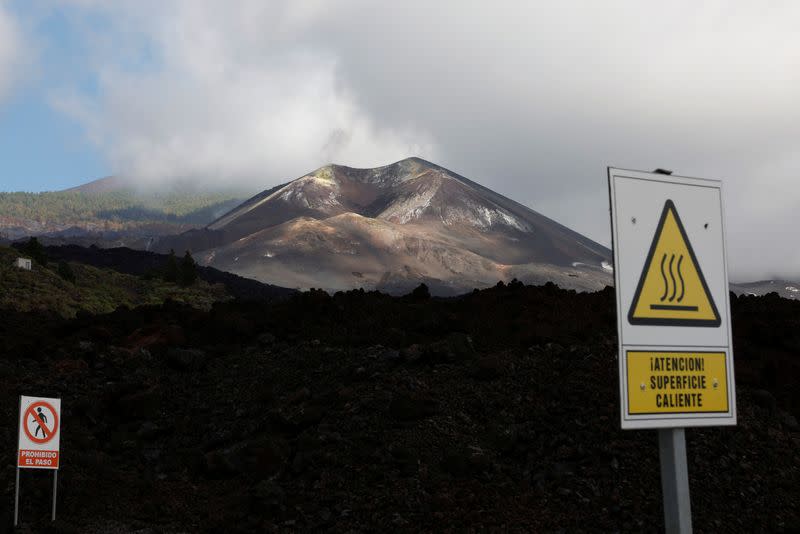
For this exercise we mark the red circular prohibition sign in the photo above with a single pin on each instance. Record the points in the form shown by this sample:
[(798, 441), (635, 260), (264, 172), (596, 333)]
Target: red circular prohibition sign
[(48, 435)]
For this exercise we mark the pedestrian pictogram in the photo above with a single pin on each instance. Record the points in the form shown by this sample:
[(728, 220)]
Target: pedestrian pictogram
[(41, 422), (39, 442), (672, 290), (39, 433)]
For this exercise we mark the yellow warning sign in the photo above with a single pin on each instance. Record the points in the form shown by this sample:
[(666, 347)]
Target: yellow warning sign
[(677, 382), (672, 290)]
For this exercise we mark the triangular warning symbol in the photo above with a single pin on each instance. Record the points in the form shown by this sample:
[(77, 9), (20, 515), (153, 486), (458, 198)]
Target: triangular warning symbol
[(672, 290)]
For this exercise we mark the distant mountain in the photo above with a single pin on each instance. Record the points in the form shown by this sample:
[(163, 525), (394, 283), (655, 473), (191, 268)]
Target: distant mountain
[(109, 184), (111, 211), (391, 228), (388, 228), (784, 288)]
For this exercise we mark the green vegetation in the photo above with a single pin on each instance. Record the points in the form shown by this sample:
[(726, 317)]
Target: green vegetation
[(118, 206), (188, 270), (66, 272), (171, 273), (35, 251), (75, 286), (183, 273)]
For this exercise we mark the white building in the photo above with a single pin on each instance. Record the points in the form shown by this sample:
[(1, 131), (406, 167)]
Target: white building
[(24, 263)]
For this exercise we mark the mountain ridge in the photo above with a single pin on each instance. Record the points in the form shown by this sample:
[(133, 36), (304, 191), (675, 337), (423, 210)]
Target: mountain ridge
[(110, 211), (416, 222)]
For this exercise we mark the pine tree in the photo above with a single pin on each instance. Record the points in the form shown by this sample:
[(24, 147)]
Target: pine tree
[(421, 292), (35, 250), (188, 270), (66, 272), (171, 268)]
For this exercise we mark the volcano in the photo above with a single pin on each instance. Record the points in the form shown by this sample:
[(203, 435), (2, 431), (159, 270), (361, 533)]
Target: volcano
[(392, 228)]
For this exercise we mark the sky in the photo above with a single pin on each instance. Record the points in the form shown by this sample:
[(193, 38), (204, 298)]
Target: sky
[(532, 99)]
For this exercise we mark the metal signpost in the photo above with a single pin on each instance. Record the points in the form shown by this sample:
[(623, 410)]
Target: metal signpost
[(673, 317), (39, 441)]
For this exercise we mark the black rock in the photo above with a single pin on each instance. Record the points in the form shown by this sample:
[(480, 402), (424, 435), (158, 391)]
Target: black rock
[(405, 407), (186, 359), (764, 399)]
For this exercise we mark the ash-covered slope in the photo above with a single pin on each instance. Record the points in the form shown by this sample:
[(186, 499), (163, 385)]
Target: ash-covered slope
[(391, 228)]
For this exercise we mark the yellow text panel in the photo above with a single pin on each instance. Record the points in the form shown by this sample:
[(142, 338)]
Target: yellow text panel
[(677, 382)]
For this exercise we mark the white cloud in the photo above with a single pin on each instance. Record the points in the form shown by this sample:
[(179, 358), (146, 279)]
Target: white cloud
[(228, 95), (10, 51), (532, 99)]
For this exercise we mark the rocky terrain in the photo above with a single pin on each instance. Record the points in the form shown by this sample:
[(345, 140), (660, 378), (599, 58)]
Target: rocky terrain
[(392, 228), (361, 412)]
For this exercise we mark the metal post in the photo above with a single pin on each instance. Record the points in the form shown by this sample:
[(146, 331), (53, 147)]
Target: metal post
[(675, 481), (16, 501), (55, 493), (16, 491)]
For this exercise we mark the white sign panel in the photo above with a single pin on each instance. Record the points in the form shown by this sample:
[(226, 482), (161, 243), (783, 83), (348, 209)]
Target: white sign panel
[(39, 433), (673, 309)]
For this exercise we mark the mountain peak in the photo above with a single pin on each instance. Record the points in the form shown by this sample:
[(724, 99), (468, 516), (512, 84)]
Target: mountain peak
[(396, 225), (407, 160)]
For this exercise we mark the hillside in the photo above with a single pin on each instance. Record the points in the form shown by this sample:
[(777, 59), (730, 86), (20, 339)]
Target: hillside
[(391, 228), (111, 208), (94, 290), (143, 263)]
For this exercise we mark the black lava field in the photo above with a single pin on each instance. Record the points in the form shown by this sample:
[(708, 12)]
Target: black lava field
[(360, 412)]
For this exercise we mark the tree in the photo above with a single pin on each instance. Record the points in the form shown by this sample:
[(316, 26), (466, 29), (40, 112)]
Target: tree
[(188, 270), (171, 268), (65, 271), (421, 292), (35, 250)]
